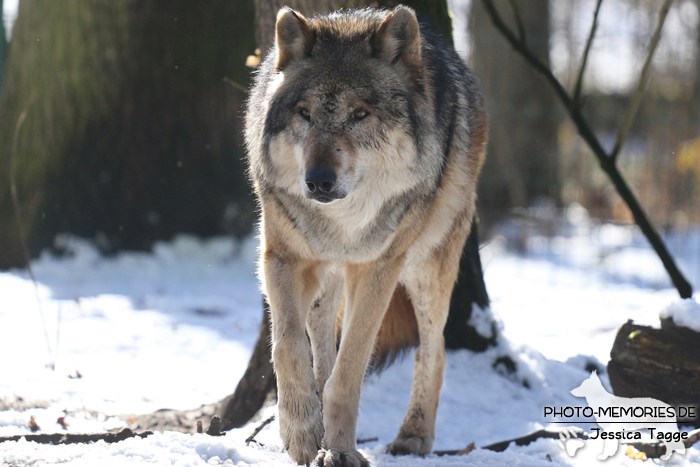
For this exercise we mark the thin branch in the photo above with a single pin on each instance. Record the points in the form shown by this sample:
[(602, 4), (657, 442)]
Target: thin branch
[(584, 59), (366, 440), (518, 21), (651, 449), (235, 85), (558, 433), (521, 48), (258, 429), (571, 433), (20, 227), (643, 79), (606, 163)]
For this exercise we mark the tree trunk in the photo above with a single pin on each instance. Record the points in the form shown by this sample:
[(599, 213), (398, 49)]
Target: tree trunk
[(3, 46), (522, 167), (257, 382), (470, 289), (130, 136)]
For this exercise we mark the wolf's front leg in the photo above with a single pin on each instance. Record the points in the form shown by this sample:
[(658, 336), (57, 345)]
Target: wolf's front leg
[(320, 325), (290, 284), (368, 290)]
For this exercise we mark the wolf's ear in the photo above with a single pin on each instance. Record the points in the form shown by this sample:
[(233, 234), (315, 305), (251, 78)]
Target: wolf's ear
[(398, 39), (293, 36)]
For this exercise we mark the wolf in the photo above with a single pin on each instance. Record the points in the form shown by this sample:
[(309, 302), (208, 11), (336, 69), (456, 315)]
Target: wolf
[(597, 397), (365, 135)]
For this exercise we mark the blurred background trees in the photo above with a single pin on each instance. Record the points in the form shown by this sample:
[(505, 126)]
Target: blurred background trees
[(522, 168), (131, 133), (133, 117)]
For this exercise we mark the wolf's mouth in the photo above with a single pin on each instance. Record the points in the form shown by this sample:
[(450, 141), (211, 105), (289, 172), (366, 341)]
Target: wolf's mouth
[(324, 198)]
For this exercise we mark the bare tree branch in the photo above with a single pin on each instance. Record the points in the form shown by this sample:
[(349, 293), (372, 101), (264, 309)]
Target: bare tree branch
[(518, 21), (584, 60), (606, 163), (643, 79)]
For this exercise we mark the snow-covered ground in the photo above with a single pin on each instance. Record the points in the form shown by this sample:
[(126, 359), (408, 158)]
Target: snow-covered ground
[(174, 329)]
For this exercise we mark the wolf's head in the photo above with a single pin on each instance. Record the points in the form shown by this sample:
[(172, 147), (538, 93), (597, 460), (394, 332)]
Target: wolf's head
[(341, 100), (590, 387)]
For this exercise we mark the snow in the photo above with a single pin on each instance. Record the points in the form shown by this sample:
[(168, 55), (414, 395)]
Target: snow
[(684, 312), (174, 328)]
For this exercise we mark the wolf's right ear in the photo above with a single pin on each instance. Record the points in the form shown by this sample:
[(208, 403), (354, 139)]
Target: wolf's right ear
[(294, 37)]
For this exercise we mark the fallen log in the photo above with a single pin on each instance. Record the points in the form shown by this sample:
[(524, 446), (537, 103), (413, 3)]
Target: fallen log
[(663, 364), (75, 438)]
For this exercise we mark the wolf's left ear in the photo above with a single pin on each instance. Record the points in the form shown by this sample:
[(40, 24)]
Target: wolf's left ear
[(294, 37), (398, 39)]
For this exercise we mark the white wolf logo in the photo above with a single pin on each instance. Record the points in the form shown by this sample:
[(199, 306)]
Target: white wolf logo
[(597, 397)]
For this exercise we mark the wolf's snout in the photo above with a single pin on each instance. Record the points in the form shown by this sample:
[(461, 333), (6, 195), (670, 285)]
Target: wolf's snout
[(320, 181)]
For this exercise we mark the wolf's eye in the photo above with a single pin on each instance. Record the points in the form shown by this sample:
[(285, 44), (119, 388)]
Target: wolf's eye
[(305, 114), (359, 114)]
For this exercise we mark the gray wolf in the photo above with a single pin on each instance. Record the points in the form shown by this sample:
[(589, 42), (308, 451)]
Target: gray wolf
[(598, 398), (365, 134)]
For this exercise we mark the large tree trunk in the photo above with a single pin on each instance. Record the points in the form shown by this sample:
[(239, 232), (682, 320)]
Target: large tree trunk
[(522, 166), (470, 289), (131, 135)]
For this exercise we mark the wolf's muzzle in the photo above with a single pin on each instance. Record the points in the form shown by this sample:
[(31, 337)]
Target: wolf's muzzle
[(321, 185)]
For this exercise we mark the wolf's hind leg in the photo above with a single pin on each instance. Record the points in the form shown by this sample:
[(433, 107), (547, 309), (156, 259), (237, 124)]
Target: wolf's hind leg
[(290, 285), (320, 324), (671, 446), (430, 287), (609, 449)]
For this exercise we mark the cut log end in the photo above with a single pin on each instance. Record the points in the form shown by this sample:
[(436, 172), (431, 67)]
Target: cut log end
[(663, 364)]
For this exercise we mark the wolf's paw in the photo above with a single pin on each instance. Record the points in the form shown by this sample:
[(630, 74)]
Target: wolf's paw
[(335, 458), (404, 445), (302, 435)]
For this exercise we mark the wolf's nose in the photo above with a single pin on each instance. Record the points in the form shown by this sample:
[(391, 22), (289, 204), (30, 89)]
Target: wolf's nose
[(320, 180)]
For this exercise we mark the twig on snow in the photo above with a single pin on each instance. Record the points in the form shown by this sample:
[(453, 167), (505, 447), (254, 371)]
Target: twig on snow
[(73, 438), (651, 449), (258, 429), (366, 440)]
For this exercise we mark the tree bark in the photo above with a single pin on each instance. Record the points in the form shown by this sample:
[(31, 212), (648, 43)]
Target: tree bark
[(256, 384), (522, 167), (470, 290)]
